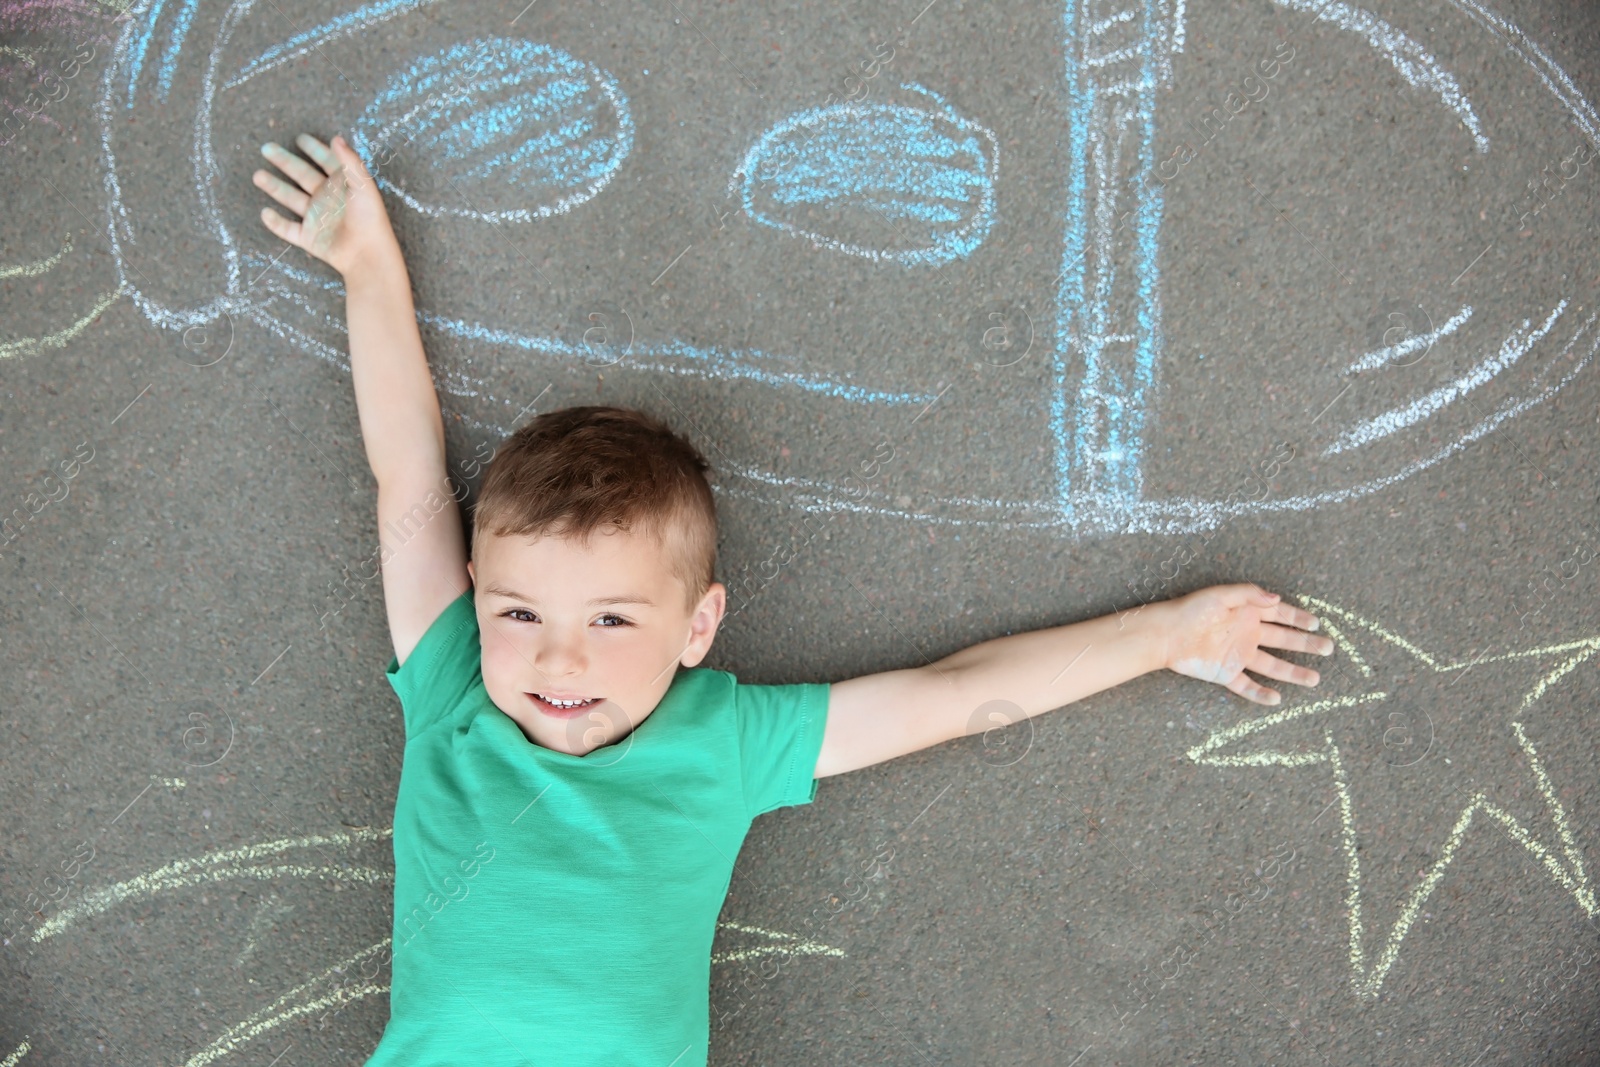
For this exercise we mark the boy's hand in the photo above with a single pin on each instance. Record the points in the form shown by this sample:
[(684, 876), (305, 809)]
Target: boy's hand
[(343, 218), (1216, 634)]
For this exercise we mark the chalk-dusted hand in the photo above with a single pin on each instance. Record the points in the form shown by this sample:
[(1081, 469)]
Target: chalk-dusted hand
[(343, 220), (1218, 633)]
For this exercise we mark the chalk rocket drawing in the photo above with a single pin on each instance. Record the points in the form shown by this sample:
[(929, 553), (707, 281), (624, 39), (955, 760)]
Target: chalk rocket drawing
[(1265, 742), (514, 131), (340, 984)]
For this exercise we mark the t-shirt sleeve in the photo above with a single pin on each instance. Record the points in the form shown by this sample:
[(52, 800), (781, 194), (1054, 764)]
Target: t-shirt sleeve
[(780, 738), (446, 663)]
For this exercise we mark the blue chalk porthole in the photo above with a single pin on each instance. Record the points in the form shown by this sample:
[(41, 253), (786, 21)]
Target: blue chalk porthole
[(884, 181), (496, 129)]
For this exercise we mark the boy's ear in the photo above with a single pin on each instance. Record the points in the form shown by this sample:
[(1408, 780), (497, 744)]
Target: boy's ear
[(471, 575), (703, 624)]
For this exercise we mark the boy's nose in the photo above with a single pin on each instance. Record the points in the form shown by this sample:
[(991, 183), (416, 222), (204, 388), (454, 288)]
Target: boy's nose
[(560, 657)]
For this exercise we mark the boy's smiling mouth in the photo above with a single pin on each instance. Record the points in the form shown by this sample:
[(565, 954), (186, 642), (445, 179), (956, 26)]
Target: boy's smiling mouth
[(563, 707)]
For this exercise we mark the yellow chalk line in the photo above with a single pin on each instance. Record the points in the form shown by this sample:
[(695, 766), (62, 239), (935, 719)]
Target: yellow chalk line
[(296, 1002), (1591, 643), (1222, 738), (214, 868), (797, 948), (41, 266), (20, 1051), (1345, 645), (34, 345), (284, 1009), (1375, 628), (105, 899), (1367, 981)]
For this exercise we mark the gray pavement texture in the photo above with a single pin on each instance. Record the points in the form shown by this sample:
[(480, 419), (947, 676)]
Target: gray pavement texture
[(199, 753)]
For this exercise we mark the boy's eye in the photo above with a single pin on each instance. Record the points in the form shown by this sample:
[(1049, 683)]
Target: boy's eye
[(620, 621), (515, 612)]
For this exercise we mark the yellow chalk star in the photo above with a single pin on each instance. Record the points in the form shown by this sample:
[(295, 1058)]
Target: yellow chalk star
[(1560, 858)]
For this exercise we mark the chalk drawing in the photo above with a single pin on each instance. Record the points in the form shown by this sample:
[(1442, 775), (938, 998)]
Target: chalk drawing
[(32, 346), (141, 45), (303, 999), (1104, 373), (169, 61), (324, 991), (1108, 323), (540, 123), (931, 172), (220, 867), (776, 944), (672, 357), (349, 24), (16, 1054), (1559, 858), (1413, 62), (1513, 349), (1415, 343), (40, 266), (268, 912)]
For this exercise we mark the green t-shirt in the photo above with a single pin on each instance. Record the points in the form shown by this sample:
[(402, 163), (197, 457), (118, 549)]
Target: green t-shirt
[(553, 909)]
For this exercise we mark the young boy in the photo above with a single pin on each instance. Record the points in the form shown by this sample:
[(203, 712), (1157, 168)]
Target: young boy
[(570, 801)]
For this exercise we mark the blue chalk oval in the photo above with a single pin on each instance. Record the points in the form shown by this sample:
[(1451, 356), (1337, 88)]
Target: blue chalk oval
[(882, 181), (496, 129)]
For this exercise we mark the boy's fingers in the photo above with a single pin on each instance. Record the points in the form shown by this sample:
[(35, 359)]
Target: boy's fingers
[(288, 195), (304, 174), (1247, 687), (280, 226), (347, 155), (319, 152), (1273, 636), (1294, 616), (1282, 670)]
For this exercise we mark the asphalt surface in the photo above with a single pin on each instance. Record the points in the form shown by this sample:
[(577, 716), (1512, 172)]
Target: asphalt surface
[(199, 753)]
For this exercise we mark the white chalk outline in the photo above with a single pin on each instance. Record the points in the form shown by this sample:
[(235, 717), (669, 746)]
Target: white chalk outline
[(1366, 978), (1414, 62), (1416, 342), (1513, 348), (1090, 514)]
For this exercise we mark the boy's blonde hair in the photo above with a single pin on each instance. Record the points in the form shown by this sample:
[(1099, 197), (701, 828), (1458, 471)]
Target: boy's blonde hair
[(572, 471)]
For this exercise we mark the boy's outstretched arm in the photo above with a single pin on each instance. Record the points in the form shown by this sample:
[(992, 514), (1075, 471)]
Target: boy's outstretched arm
[(1214, 634), (344, 224)]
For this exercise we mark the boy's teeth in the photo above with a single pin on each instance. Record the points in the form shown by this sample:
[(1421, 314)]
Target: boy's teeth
[(568, 703)]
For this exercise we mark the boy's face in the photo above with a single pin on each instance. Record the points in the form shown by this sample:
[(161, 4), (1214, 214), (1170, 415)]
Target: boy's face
[(603, 620)]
